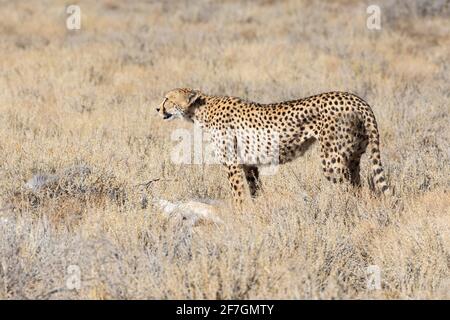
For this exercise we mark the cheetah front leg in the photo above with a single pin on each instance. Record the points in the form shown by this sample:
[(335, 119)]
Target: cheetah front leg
[(253, 181), (236, 178)]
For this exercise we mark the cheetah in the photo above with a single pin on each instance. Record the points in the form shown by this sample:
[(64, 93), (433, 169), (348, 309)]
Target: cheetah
[(248, 135)]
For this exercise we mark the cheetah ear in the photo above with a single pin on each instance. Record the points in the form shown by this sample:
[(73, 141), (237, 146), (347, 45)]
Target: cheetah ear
[(191, 98), (183, 97)]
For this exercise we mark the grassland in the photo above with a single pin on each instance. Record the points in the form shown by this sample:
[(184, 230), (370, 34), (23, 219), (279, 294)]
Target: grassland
[(87, 96)]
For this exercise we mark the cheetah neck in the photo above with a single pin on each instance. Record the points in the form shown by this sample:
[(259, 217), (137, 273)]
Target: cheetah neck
[(201, 113)]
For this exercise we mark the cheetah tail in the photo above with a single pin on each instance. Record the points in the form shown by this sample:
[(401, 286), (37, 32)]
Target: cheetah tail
[(378, 176)]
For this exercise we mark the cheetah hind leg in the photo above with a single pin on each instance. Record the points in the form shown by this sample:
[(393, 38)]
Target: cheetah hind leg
[(341, 146), (354, 163), (335, 168)]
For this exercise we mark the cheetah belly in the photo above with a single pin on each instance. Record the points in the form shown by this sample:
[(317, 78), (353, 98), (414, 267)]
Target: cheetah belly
[(270, 149), (295, 149)]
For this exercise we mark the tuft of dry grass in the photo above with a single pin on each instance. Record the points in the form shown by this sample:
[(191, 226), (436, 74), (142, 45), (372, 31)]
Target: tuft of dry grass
[(65, 196), (88, 97)]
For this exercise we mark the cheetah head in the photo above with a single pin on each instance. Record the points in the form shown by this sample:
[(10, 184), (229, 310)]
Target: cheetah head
[(178, 103)]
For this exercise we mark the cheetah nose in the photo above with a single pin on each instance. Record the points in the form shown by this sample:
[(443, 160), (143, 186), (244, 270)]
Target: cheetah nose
[(157, 109)]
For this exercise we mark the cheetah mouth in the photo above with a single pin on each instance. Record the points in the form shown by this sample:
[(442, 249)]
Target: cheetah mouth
[(163, 113), (168, 116), (172, 114)]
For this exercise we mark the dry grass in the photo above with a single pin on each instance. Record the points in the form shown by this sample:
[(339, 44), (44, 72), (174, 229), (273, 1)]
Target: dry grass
[(87, 96)]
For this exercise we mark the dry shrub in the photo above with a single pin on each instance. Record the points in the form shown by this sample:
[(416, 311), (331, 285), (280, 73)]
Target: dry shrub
[(64, 197)]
